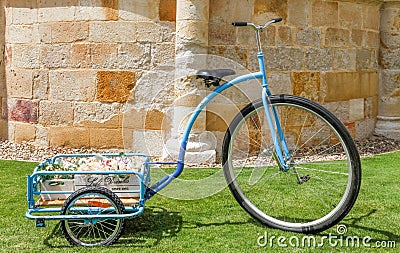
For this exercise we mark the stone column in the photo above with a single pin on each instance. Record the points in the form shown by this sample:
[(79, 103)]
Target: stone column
[(192, 18), (388, 123)]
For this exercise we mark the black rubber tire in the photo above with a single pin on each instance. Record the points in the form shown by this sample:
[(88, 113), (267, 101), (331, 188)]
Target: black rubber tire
[(353, 180), (117, 225)]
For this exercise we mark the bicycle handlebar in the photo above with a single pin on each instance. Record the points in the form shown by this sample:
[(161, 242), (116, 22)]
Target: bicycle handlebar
[(260, 27)]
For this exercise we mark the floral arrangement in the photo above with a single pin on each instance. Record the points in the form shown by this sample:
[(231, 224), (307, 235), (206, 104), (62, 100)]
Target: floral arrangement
[(92, 163)]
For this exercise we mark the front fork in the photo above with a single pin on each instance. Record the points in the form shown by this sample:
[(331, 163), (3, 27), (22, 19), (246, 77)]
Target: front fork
[(281, 151)]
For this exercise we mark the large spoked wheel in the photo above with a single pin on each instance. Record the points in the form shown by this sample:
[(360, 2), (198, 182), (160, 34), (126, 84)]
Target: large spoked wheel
[(92, 231), (324, 177)]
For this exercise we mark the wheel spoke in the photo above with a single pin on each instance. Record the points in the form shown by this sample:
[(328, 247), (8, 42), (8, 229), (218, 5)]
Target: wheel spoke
[(317, 190)]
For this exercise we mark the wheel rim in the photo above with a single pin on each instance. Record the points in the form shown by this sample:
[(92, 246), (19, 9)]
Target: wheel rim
[(283, 194), (92, 232)]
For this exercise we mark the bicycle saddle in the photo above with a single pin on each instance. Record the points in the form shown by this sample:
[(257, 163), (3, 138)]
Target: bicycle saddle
[(214, 76)]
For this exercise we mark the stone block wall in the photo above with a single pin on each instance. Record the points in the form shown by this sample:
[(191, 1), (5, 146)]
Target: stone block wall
[(70, 66), (324, 50)]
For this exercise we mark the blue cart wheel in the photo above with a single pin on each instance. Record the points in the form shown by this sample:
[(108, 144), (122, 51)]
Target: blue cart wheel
[(91, 231)]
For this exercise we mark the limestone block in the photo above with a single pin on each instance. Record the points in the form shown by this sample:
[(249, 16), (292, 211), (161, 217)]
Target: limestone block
[(154, 120), (266, 10), (3, 129), (150, 142), (371, 107), (390, 84), (371, 17), (351, 127), (356, 109), (25, 56), (181, 116), (309, 36), (372, 39), (114, 86), (4, 108), (284, 58), (53, 10), (340, 86), (238, 54), (336, 37), (23, 110), (106, 138), (219, 34), (21, 34), (112, 31), (219, 116), (198, 32), (318, 58), (350, 15), (167, 10), (149, 32), (40, 84), (56, 113), (224, 11), (363, 59), (25, 15), (97, 10), (389, 18), (307, 84), (104, 55), (344, 59), (369, 84), (365, 128), (389, 58), (68, 136), (41, 136), (139, 10), (339, 109), (192, 10), (215, 122), (56, 55), (135, 55), (19, 83), (298, 13), (161, 53), (284, 36), (72, 85), (24, 132), (63, 32), (96, 114), (133, 118), (280, 83), (357, 37), (324, 13), (80, 55)]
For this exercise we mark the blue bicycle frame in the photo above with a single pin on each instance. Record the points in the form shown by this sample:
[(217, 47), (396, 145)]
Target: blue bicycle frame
[(271, 114)]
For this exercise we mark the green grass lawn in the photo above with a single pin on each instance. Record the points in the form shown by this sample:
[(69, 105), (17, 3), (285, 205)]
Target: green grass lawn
[(213, 224)]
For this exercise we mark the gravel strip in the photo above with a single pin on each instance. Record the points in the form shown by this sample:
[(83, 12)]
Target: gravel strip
[(27, 152)]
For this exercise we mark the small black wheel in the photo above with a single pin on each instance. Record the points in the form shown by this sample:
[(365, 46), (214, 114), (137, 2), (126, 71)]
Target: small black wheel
[(323, 179), (91, 231)]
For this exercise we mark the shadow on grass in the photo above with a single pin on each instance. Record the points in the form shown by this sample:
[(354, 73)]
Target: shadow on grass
[(354, 223), (145, 231)]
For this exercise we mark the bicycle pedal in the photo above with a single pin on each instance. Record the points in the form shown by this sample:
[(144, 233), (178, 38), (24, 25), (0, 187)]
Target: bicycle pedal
[(304, 179), (40, 223)]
